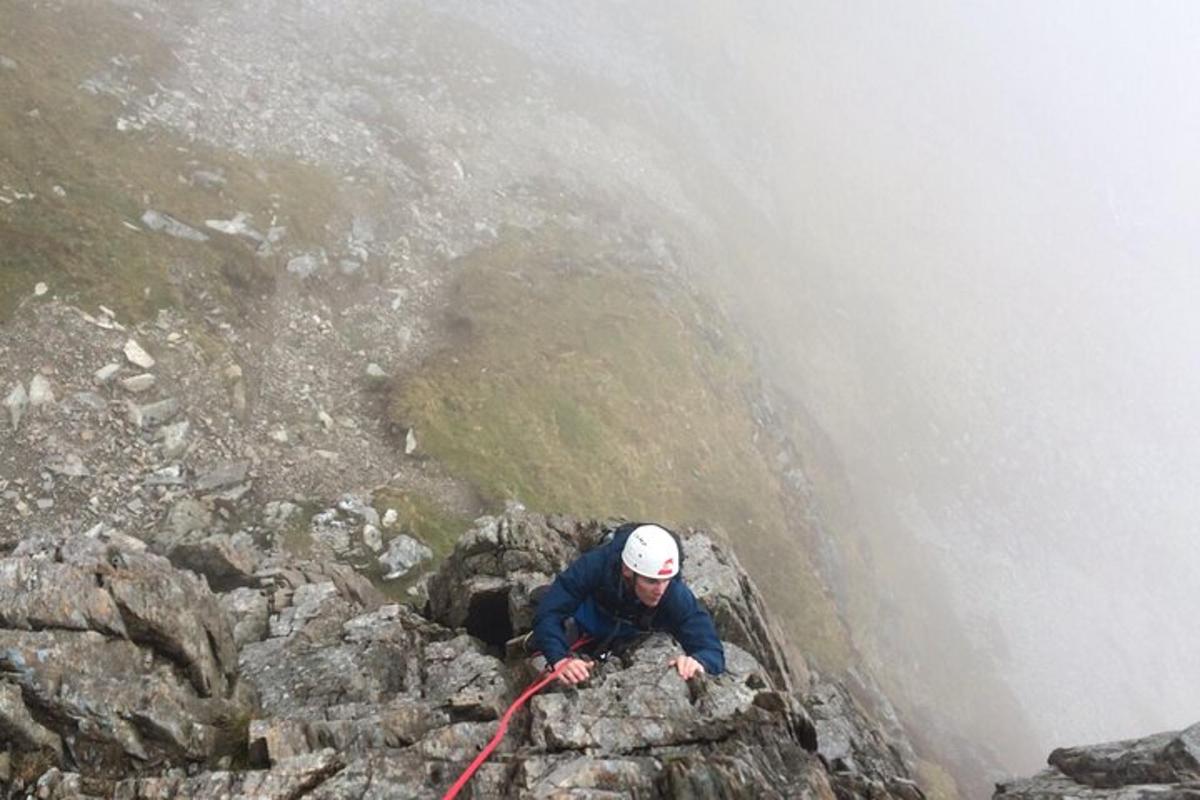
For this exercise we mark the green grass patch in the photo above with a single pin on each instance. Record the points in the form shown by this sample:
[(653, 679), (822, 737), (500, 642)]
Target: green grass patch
[(55, 133), (422, 519), (575, 386)]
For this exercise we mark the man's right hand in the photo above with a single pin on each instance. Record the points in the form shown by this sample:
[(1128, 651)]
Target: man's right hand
[(574, 670)]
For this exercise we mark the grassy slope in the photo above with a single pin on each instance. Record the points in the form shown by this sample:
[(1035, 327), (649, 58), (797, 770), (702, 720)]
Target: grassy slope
[(574, 386), (53, 132)]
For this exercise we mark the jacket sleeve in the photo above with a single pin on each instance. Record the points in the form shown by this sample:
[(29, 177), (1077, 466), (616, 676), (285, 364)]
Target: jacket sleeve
[(560, 601), (693, 628)]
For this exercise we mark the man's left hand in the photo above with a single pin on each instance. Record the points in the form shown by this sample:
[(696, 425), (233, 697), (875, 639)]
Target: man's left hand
[(688, 667)]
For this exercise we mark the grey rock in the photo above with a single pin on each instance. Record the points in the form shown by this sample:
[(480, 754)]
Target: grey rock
[(186, 517), (479, 571), (167, 476), (152, 415), (249, 611), (138, 383), (277, 514), (137, 356), (403, 553), (1165, 758), (356, 590), (90, 401), (410, 442), (330, 530), (227, 562), (850, 743), (129, 657), (106, 373), (7, 63), (403, 701), (308, 602), (290, 778), (23, 731), (16, 403), (235, 227), (231, 496), (223, 476), (164, 223), (362, 229), (304, 266), (359, 507), (40, 392), (348, 266), (207, 179), (1164, 765), (173, 438), (237, 400), (372, 538), (654, 707)]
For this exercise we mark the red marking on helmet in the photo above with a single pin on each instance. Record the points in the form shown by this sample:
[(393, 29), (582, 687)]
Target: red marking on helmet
[(668, 567)]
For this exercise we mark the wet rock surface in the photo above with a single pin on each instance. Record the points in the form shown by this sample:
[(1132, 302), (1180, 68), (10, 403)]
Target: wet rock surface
[(123, 675)]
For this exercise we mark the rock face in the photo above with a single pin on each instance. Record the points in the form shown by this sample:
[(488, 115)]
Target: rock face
[(111, 660), (1166, 765), (122, 675)]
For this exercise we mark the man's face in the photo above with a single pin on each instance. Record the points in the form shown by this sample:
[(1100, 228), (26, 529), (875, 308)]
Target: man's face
[(649, 590)]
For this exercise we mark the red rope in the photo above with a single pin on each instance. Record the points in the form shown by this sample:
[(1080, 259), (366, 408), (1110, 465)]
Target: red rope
[(533, 689)]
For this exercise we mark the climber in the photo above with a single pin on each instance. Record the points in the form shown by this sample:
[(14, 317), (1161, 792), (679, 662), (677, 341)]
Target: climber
[(622, 589)]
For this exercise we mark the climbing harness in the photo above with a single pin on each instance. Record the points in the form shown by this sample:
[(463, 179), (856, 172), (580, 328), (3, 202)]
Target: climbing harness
[(540, 683)]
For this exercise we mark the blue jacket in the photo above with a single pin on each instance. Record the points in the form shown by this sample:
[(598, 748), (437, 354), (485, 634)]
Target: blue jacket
[(593, 591)]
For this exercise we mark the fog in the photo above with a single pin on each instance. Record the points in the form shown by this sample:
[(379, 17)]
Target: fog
[(983, 291), (990, 311)]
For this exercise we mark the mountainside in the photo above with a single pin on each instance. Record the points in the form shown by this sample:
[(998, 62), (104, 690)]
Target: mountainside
[(291, 294)]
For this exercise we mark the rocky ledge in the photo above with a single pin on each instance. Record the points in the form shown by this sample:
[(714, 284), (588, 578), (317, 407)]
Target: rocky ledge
[(1165, 766), (123, 674)]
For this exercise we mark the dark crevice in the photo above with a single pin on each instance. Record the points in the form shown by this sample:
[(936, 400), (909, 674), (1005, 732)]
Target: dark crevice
[(40, 626), (488, 618), (142, 634)]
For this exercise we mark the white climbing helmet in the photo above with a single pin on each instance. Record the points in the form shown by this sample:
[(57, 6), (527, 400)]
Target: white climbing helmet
[(651, 551)]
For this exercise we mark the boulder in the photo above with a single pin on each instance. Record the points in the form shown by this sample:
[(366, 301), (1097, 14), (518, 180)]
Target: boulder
[(152, 415), (249, 612), (227, 562), (165, 223), (137, 355), (223, 476), (403, 553), (1164, 765)]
